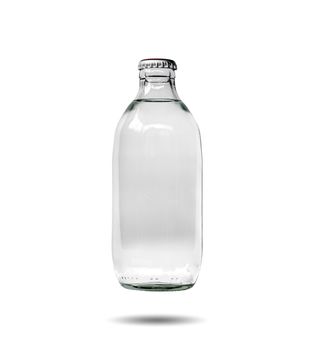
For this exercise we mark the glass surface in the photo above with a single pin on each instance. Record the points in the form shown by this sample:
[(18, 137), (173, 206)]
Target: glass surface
[(157, 189)]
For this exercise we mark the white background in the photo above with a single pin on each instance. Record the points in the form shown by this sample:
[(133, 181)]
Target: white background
[(68, 69)]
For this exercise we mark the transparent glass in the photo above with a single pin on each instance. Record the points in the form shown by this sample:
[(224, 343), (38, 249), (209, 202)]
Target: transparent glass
[(157, 189)]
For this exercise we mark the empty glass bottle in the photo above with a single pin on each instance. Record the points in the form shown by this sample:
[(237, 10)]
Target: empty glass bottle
[(157, 186)]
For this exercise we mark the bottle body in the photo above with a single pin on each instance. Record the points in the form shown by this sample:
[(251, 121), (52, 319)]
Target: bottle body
[(157, 196)]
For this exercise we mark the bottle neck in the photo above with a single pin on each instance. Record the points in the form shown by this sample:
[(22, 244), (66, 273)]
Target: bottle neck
[(157, 84)]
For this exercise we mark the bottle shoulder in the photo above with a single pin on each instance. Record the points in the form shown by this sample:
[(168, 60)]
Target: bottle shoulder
[(157, 121), (156, 118), (172, 113), (157, 104)]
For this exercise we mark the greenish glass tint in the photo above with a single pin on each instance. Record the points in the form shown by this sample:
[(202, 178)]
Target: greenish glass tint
[(157, 187)]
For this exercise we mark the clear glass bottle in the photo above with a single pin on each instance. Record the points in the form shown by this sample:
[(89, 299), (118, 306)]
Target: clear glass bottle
[(157, 187)]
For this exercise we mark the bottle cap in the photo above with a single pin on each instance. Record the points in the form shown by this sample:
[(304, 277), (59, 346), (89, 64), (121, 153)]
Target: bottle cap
[(149, 63)]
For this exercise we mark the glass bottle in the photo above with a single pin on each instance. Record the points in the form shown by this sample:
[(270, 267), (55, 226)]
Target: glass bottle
[(157, 186)]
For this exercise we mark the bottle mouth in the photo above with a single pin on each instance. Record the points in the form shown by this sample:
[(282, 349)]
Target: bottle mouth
[(151, 63)]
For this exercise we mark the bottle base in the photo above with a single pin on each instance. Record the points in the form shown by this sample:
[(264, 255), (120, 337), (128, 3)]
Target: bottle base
[(156, 287)]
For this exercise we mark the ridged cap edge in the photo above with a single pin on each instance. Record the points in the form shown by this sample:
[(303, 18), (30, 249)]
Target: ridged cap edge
[(157, 63)]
